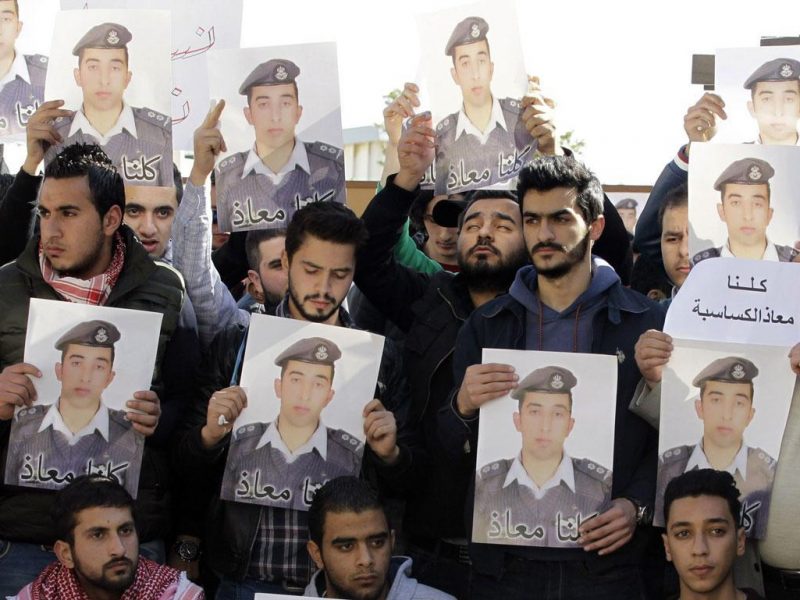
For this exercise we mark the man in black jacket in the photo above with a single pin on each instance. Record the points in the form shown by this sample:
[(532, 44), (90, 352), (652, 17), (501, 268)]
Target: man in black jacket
[(431, 309), (84, 253)]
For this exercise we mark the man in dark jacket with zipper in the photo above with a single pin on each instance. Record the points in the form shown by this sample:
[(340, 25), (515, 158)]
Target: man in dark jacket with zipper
[(431, 309), (567, 301), (84, 254)]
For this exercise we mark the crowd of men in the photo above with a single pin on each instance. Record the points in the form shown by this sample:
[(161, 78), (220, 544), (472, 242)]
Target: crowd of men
[(546, 265)]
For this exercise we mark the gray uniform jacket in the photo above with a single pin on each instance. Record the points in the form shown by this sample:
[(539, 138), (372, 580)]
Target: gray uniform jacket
[(755, 490), (513, 515), (403, 586), (465, 164), (255, 202), (20, 99), (45, 460), (142, 160), (785, 253), (263, 475)]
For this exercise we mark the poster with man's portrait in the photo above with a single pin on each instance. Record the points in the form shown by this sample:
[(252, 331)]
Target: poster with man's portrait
[(546, 450), (197, 27), (92, 359), (307, 385), (113, 69), (743, 202), (724, 406), (474, 76), (283, 129), (761, 90), (26, 27)]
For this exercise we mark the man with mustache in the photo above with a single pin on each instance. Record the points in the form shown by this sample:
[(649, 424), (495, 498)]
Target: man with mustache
[(97, 550), (566, 301)]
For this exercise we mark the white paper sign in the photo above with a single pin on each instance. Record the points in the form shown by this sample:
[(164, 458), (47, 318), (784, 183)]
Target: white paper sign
[(735, 300)]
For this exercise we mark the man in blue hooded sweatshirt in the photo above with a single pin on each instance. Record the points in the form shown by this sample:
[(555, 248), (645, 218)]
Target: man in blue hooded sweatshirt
[(568, 301)]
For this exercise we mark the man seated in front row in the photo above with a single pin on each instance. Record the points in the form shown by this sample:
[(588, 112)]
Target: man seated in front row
[(351, 544), (97, 549), (704, 534)]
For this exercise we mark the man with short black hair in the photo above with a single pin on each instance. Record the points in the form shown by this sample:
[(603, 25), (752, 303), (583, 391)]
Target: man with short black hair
[(97, 550), (267, 279), (703, 534), (567, 301), (351, 543), (84, 254)]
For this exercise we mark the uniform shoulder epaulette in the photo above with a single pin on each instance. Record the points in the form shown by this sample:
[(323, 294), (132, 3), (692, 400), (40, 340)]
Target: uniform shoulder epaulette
[(120, 417), (762, 457), (324, 150), (591, 469), (498, 468), (704, 254), (511, 105), (446, 124), (62, 124), (677, 454), (36, 61), (786, 253), (346, 440), (250, 430), (234, 162), (28, 414), (152, 117)]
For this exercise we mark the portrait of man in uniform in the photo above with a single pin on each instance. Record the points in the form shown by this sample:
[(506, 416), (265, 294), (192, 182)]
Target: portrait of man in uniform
[(725, 406), (775, 101), (541, 496), (627, 209), (745, 208), (484, 143), (137, 139), (284, 462), (263, 186), (51, 444), (21, 76)]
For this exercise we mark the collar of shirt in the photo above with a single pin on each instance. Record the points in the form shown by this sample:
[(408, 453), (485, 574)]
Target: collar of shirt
[(770, 252), (760, 143), (564, 473), (698, 460), (53, 418), (464, 125), (19, 68), (298, 158), (318, 441), (124, 122)]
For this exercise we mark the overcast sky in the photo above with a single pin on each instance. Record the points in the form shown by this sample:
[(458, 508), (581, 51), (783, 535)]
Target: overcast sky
[(619, 70)]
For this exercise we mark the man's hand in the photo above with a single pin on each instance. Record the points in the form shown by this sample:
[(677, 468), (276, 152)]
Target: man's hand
[(483, 383), (794, 359), (191, 568), (40, 133), (652, 352), (611, 530), (539, 118), (700, 121), (146, 421), (208, 143), (223, 409), (16, 388), (401, 108), (380, 429), (415, 152)]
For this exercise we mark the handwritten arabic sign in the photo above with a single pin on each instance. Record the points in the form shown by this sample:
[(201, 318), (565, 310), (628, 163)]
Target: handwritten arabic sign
[(92, 361), (542, 468), (473, 79), (724, 406), (735, 300), (307, 385)]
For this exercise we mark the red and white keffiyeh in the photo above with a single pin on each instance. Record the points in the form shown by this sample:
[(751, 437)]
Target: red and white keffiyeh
[(86, 291), (152, 582)]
